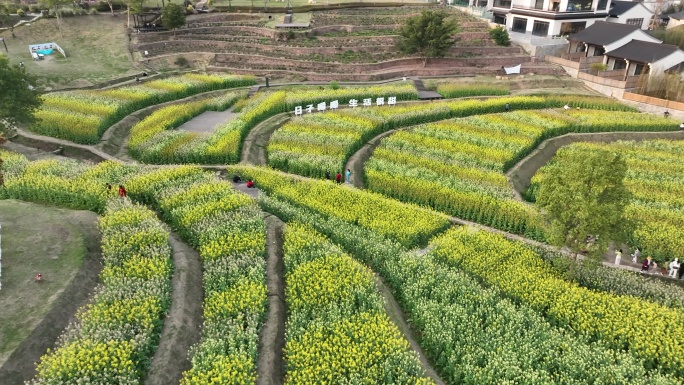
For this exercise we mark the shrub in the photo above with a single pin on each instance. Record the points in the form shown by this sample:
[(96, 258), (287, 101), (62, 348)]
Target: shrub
[(500, 36), (334, 85), (596, 67), (181, 61)]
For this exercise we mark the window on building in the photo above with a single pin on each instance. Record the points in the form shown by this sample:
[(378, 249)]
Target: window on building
[(640, 69), (499, 19), (602, 5), (619, 64), (599, 51), (579, 5), (572, 27), (519, 24), (637, 22), (540, 28)]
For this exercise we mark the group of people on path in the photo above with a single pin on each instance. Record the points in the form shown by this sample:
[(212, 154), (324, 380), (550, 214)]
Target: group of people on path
[(237, 179), (671, 268), (122, 190), (338, 177)]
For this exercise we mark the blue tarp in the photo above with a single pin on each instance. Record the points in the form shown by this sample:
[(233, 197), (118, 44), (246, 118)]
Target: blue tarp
[(44, 51)]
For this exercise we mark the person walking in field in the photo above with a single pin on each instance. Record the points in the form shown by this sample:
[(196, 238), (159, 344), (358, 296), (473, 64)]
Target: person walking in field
[(674, 268), (338, 178), (348, 176), (327, 175), (646, 264), (618, 257), (636, 255), (122, 192)]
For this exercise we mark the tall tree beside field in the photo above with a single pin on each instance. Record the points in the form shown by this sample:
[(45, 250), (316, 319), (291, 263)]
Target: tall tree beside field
[(173, 16), (429, 35), (17, 99), (585, 196)]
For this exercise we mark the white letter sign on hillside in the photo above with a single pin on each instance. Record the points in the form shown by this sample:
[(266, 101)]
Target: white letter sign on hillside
[(335, 104)]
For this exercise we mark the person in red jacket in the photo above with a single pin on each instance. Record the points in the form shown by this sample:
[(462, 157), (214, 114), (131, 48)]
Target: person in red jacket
[(122, 191), (250, 184), (338, 178)]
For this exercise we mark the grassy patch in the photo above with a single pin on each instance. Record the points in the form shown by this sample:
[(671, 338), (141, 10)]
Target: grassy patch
[(96, 48), (35, 239)]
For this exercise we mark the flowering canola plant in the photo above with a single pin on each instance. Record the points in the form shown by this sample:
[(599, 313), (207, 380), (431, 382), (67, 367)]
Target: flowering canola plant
[(409, 224), (337, 328), (520, 274), (117, 333), (472, 334), (655, 180), (83, 116)]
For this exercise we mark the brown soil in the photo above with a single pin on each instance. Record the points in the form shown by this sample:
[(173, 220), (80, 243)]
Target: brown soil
[(270, 369), (399, 318), (20, 366), (182, 324)]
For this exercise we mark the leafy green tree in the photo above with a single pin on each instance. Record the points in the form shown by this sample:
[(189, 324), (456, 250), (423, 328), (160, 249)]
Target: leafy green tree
[(18, 100), (429, 35), (500, 36), (173, 16), (584, 197)]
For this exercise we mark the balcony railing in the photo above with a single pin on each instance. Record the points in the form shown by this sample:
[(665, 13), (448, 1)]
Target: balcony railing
[(551, 10)]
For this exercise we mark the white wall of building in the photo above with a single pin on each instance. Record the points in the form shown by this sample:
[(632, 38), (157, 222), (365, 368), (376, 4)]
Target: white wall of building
[(667, 62), (554, 25), (637, 12)]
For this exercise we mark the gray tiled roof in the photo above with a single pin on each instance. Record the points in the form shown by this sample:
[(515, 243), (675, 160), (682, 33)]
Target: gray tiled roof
[(643, 51), (617, 8), (603, 32)]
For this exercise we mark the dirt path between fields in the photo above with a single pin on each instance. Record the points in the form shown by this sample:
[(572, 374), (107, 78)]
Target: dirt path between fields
[(183, 322), (270, 368), (254, 146), (399, 318), (21, 364), (358, 160)]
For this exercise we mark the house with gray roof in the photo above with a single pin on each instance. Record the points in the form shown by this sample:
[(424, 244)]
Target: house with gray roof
[(629, 13), (643, 57), (676, 19)]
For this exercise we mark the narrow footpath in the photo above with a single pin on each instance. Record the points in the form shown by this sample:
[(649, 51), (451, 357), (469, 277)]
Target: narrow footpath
[(182, 324), (254, 145), (398, 317), (270, 369)]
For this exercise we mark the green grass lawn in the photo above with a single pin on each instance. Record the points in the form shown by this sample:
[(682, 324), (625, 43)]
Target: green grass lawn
[(35, 239), (96, 48)]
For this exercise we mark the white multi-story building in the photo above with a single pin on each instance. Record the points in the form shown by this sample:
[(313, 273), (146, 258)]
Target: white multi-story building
[(562, 17)]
